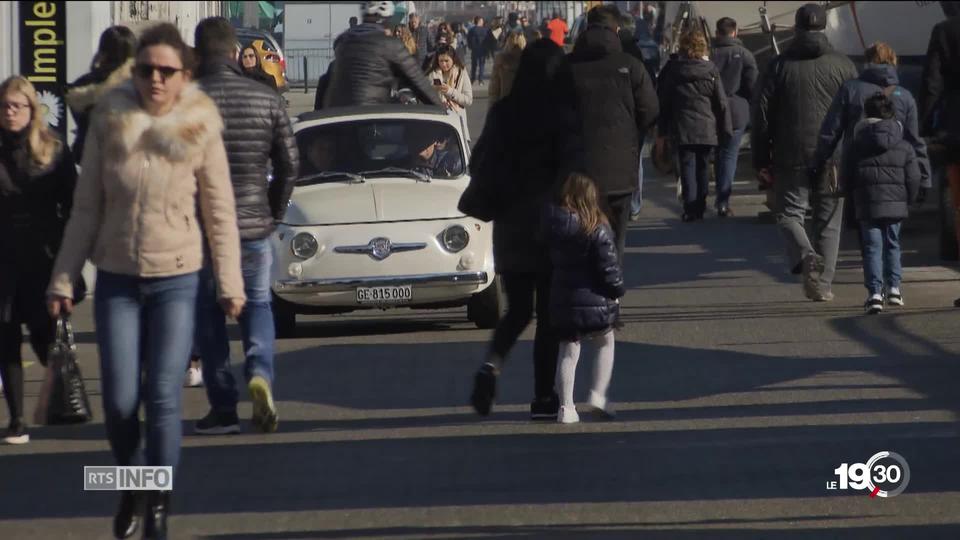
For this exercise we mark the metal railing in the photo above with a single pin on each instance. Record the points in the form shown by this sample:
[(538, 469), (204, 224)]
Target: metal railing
[(304, 66)]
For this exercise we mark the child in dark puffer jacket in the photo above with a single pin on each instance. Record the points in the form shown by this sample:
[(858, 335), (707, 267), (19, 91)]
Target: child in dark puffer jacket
[(885, 178), (585, 290)]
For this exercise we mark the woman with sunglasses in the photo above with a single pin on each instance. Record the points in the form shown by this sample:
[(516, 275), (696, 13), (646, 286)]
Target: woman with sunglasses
[(154, 176), (37, 176), (452, 82), (253, 68)]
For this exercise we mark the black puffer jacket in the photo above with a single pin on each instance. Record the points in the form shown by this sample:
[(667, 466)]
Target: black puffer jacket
[(368, 65), (884, 175), (940, 91), (738, 71), (795, 94), (693, 103), (617, 105), (587, 280), (256, 132), (35, 203)]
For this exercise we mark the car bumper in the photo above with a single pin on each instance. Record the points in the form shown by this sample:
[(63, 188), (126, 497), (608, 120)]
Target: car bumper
[(428, 289)]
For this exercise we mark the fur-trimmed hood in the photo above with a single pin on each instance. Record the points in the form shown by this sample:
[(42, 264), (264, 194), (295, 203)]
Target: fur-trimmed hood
[(87, 90), (176, 136)]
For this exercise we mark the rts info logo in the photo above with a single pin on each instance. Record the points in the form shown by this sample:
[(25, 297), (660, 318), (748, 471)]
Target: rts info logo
[(886, 474)]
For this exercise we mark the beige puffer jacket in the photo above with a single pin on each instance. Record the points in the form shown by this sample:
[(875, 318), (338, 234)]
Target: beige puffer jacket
[(143, 179)]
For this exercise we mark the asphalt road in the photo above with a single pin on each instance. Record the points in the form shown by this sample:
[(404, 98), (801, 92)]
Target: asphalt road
[(738, 398)]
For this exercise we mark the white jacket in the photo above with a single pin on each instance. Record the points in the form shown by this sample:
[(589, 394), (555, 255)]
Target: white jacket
[(460, 95)]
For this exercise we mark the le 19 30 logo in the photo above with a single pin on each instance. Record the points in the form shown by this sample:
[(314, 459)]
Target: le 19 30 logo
[(886, 474)]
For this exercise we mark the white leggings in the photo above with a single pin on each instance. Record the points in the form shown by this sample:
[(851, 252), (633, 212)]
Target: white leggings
[(602, 367)]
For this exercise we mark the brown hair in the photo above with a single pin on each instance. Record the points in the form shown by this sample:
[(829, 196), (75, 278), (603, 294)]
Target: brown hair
[(693, 44), (579, 194), (167, 34), (44, 144), (406, 37), (881, 53)]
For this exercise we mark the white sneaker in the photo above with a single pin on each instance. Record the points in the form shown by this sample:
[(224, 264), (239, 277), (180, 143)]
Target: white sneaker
[(194, 377), (568, 415), (894, 297), (600, 407), (873, 305)]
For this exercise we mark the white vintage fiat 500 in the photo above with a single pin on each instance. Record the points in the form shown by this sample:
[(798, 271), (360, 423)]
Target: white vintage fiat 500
[(373, 220)]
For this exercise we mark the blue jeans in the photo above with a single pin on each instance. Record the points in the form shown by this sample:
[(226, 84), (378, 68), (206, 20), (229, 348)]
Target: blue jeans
[(256, 327), (694, 176), (144, 324), (725, 167), (478, 60), (636, 203), (881, 254)]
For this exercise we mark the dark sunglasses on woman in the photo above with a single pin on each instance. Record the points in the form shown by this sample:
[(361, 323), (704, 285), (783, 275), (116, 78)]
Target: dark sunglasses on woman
[(145, 71)]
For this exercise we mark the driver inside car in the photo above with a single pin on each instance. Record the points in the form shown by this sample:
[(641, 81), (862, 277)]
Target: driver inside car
[(438, 158)]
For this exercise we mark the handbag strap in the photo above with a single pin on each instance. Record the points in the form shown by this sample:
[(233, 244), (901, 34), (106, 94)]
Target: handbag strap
[(65, 332)]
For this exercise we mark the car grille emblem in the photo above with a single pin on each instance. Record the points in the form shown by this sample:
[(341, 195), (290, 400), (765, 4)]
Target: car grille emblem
[(380, 248)]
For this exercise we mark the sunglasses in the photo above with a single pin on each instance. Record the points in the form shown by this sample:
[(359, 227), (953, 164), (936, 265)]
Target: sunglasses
[(145, 71), (13, 106)]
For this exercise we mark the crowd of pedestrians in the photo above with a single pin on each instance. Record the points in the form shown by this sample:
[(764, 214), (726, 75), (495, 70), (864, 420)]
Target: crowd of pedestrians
[(173, 205)]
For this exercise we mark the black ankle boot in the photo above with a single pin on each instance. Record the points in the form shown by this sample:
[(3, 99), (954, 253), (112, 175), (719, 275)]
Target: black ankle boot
[(127, 520), (155, 521)]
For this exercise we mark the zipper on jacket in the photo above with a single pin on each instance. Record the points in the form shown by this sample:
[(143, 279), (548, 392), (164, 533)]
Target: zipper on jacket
[(140, 196)]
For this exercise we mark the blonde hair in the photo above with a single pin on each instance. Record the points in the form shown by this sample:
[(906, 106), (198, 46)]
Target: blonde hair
[(515, 41), (406, 37), (579, 194), (881, 53), (44, 144), (693, 44)]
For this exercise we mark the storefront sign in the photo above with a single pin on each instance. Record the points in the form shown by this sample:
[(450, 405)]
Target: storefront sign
[(43, 56)]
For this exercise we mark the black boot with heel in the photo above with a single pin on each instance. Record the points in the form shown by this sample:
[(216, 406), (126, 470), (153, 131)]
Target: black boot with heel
[(155, 520), (129, 515)]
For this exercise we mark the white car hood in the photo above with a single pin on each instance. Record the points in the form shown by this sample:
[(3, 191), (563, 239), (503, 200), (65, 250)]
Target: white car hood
[(379, 200)]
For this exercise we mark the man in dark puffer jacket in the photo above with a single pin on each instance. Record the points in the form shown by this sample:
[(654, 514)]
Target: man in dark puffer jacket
[(617, 105), (369, 64), (797, 89), (256, 132), (884, 177)]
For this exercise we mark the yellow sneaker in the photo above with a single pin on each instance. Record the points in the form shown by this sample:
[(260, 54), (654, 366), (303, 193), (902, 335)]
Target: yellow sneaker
[(264, 411)]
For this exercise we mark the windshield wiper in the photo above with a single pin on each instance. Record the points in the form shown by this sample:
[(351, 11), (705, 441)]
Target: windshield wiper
[(330, 175), (417, 175)]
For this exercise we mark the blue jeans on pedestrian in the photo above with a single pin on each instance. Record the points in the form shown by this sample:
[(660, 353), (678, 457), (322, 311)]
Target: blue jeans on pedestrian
[(725, 168), (256, 327), (694, 161), (880, 239), (636, 203), (478, 60), (144, 325)]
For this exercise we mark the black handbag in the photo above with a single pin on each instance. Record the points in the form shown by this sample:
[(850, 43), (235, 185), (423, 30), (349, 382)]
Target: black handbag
[(69, 403)]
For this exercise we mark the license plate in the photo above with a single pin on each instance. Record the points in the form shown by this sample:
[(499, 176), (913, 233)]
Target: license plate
[(398, 294)]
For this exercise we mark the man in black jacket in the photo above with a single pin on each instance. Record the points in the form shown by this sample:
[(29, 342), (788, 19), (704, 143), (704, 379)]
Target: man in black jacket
[(256, 132), (738, 71), (796, 92), (368, 65), (617, 106), (940, 103)]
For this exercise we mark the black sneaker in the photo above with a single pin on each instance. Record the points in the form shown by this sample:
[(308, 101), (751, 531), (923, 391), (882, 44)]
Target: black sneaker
[(724, 211), (16, 433), (545, 408), (217, 423), (873, 305), (484, 389)]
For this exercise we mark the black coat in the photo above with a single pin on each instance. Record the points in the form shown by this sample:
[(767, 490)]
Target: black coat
[(738, 71), (884, 173), (940, 90), (35, 205), (536, 157), (261, 76), (795, 94), (83, 93), (617, 105), (693, 103), (367, 67), (587, 279), (256, 132)]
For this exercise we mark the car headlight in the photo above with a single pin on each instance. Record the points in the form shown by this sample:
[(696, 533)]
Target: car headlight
[(304, 245), (455, 238)]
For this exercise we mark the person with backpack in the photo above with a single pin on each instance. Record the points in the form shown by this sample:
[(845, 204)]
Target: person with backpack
[(879, 75), (585, 292), (883, 175)]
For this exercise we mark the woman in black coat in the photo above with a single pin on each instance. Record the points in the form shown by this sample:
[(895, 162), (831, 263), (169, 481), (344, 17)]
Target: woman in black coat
[(253, 69), (37, 176), (536, 124), (694, 114), (110, 67)]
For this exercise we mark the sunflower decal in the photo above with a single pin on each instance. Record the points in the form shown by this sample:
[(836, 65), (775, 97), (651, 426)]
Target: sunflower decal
[(51, 106)]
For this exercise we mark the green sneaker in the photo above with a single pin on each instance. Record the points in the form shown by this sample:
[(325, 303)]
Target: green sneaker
[(264, 411)]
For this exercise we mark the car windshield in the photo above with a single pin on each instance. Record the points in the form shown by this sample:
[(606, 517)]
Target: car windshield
[(371, 148)]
